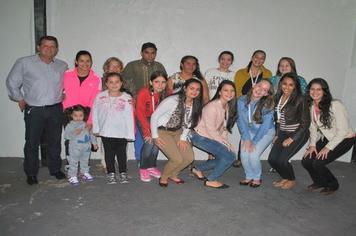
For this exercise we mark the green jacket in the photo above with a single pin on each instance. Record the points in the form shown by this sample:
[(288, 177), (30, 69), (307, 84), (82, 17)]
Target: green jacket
[(137, 74)]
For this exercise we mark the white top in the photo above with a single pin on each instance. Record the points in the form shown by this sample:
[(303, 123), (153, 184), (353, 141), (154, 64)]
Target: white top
[(214, 77), (113, 116), (339, 130), (162, 115)]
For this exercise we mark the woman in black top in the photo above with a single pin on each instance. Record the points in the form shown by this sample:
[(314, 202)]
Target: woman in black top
[(292, 129)]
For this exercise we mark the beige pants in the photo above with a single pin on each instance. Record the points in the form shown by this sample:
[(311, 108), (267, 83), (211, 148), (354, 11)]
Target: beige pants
[(177, 159)]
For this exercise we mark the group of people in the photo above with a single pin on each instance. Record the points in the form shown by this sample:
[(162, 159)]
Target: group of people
[(140, 103)]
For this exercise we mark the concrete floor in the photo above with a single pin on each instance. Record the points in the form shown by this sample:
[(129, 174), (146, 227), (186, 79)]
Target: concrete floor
[(55, 208)]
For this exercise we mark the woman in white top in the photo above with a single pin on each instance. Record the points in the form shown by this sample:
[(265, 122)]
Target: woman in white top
[(331, 136), (215, 76), (170, 126)]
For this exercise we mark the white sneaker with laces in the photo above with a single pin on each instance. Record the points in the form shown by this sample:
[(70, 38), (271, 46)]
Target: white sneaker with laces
[(73, 181), (110, 178), (123, 178), (86, 177)]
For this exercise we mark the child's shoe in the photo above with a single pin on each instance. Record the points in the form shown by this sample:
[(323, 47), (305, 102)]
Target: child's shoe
[(86, 177), (110, 178), (74, 181), (144, 175), (154, 172), (123, 178)]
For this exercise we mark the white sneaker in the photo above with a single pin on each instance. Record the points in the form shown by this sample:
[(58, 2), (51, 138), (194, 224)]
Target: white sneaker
[(86, 177), (73, 181), (110, 178), (123, 178)]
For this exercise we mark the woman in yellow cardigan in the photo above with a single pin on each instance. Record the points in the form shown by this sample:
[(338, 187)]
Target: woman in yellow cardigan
[(245, 78)]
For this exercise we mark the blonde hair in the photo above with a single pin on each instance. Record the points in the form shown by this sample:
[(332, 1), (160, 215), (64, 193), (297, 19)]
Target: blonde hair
[(109, 60)]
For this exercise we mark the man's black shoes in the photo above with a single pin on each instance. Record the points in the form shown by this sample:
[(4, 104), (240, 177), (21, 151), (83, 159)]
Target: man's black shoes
[(31, 180)]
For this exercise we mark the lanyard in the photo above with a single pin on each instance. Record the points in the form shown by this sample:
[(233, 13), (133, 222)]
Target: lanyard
[(250, 114), (280, 107), (187, 116), (254, 81)]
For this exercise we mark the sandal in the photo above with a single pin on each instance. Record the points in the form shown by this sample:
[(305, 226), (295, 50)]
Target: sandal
[(280, 183), (245, 182), (255, 183)]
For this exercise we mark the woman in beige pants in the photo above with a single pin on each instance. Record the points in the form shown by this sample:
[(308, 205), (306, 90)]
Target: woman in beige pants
[(170, 126)]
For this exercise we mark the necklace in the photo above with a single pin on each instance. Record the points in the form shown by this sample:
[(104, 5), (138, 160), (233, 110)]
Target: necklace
[(254, 80), (280, 107)]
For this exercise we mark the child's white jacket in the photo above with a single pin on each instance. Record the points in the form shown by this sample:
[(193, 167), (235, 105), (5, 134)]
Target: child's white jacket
[(113, 116)]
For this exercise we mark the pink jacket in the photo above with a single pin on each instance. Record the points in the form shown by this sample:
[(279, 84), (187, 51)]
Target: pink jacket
[(211, 124), (83, 94)]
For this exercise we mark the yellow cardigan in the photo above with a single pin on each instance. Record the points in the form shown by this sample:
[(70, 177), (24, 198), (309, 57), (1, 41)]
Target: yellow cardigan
[(242, 76)]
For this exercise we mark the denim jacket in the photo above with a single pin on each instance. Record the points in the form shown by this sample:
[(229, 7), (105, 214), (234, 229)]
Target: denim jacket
[(259, 130)]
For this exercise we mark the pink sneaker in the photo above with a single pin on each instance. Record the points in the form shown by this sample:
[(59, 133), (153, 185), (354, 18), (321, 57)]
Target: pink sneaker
[(144, 175), (154, 172)]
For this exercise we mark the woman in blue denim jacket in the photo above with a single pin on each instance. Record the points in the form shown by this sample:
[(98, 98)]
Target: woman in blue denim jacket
[(256, 126)]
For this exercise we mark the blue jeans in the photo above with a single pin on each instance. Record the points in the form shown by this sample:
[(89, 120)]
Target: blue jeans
[(223, 157), (149, 152), (138, 142), (251, 160)]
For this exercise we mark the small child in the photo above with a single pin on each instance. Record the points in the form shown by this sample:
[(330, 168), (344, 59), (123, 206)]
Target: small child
[(113, 121), (80, 141)]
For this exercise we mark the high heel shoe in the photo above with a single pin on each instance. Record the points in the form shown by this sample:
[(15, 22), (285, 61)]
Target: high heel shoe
[(163, 185), (193, 170)]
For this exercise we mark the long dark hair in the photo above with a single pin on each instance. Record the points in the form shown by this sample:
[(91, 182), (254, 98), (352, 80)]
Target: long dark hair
[(266, 102), (197, 102), (325, 103), (291, 63), (254, 53), (197, 72), (155, 75), (232, 104), (297, 92)]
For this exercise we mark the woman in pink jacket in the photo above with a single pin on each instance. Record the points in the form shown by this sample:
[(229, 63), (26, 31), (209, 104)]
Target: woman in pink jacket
[(211, 135), (81, 84)]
